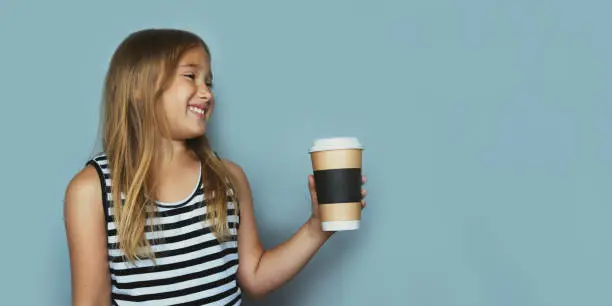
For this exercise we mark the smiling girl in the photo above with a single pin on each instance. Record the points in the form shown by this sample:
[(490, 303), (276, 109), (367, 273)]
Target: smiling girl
[(158, 218)]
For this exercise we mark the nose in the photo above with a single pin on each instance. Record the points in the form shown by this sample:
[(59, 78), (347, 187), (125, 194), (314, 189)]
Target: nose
[(204, 92)]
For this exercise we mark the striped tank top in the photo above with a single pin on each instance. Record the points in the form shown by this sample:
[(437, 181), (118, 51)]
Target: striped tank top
[(191, 268)]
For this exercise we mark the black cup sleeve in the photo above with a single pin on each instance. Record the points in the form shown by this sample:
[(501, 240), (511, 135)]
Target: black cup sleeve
[(338, 185)]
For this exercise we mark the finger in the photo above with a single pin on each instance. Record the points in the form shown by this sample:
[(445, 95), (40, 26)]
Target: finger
[(363, 204), (363, 179), (363, 193), (311, 184), (311, 181)]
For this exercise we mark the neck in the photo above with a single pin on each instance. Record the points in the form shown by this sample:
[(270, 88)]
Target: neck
[(173, 152)]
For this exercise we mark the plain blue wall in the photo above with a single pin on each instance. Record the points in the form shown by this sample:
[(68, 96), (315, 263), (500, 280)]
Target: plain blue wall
[(487, 124)]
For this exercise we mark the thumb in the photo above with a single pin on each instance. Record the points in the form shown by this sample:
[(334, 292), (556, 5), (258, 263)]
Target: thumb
[(311, 186)]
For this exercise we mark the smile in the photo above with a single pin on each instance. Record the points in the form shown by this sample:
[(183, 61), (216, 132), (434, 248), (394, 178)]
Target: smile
[(200, 111)]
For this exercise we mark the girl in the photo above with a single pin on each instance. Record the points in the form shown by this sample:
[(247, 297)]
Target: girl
[(158, 218)]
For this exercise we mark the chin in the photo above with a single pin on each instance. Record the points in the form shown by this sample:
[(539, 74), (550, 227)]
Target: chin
[(191, 133), (202, 130), (197, 133)]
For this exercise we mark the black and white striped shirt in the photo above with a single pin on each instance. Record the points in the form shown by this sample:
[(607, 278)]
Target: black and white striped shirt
[(192, 267)]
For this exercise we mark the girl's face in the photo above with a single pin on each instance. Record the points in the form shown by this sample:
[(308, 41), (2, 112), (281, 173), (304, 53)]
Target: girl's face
[(189, 101)]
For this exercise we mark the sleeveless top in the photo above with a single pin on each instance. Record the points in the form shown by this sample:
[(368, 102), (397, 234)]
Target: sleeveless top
[(191, 267)]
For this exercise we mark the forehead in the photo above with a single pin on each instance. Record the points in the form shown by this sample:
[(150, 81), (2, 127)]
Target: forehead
[(196, 57)]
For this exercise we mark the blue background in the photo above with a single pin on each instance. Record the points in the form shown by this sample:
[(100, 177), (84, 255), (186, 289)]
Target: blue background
[(487, 126)]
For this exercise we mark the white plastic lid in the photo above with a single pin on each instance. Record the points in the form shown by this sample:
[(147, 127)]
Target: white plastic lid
[(336, 143)]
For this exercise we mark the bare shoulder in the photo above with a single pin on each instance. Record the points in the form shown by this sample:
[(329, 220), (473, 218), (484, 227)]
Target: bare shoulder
[(84, 220), (83, 195), (235, 170), (239, 178)]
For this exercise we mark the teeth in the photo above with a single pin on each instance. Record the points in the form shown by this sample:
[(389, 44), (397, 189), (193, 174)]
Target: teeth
[(197, 110)]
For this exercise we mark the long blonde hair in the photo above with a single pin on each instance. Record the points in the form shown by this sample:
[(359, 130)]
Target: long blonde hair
[(133, 126)]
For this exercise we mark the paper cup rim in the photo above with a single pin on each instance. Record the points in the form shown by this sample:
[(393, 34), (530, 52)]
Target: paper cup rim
[(350, 143)]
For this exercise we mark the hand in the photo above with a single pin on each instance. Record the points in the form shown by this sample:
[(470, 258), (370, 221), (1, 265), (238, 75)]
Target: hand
[(315, 218)]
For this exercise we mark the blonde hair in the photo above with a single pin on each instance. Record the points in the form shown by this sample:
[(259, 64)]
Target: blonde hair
[(133, 126)]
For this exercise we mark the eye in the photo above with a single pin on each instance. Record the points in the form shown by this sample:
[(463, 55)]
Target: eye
[(209, 84), (190, 76)]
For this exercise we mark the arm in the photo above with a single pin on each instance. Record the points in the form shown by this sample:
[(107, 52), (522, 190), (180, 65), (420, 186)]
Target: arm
[(86, 235), (262, 271)]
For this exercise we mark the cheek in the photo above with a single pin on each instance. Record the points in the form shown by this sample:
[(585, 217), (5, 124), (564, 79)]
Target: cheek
[(176, 100), (185, 93)]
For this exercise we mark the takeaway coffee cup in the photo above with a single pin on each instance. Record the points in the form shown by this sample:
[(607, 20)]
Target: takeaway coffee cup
[(336, 164)]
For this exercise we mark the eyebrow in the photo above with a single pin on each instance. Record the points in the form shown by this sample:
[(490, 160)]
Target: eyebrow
[(197, 66), (191, 65)]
